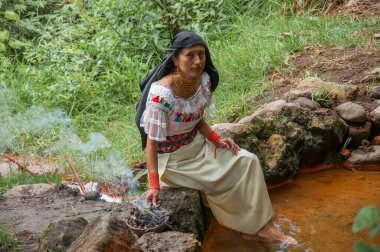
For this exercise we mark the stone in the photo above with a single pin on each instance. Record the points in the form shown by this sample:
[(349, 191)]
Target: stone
[(322, 92), (169, 241), (187, 213), (265, 110), (307, 103), (351, 112), (359, 132), (351, 3), (375, 116), (105, 233), (361, 157), (58, 236), (30, 190), (375, 92), (376, 140)]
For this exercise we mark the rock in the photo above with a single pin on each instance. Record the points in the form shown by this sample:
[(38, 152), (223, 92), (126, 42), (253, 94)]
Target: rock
[(361, 157), (231, 129), (375, 92), (30, 190), (317, 90), (105, 233), (187, 213), (307, 103), (376, 140), (351, 3), (351, 112), (58, 236), (376, 36), (376, 71), (169, 241), (280, 159), (266, 109), (375, 117), (359, 132)]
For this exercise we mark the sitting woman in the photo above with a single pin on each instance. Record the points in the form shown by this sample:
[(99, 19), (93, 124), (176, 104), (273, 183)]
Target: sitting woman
[(182, 149)]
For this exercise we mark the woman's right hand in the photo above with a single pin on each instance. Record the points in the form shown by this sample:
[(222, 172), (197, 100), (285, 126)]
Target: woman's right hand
[(152, 197)]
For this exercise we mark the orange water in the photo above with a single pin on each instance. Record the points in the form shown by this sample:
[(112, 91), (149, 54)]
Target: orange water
[(318, 209)]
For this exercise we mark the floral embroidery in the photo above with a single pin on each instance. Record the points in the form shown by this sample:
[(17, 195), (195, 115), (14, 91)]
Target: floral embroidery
[(161, 100)]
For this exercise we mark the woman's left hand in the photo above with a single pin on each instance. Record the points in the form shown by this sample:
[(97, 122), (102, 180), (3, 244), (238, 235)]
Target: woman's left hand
[(230, 144)]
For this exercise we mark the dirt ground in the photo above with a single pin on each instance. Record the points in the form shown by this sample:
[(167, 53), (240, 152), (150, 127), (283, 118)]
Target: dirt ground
[(29, 216), (342, 66)]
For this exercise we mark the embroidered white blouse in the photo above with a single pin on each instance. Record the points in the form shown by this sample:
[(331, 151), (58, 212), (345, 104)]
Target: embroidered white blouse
[(167, 114)]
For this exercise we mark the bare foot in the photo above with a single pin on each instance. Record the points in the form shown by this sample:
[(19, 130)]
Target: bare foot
[(271, 233)]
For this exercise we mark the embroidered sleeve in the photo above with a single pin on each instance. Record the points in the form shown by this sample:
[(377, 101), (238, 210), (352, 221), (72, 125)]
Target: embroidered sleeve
[(155, 117)]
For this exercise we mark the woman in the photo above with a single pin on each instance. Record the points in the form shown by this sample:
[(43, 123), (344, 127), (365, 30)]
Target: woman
[(181, 147)]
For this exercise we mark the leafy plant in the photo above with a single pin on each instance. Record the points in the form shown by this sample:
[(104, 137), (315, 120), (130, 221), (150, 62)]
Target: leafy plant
[(323, 98), (367, 218)]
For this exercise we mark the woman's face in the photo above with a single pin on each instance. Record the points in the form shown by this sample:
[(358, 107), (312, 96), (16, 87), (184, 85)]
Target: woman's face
[(191, 61)]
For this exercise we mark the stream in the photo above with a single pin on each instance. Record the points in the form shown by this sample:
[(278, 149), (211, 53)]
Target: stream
[(318, 209)]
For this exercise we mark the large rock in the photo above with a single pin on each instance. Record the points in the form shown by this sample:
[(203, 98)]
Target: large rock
[(320, 91), (30, 190), (351, 112), (188, 215), (105, 233), (375, 117), (58, 236), (266, 109), (359, 132), (169, 241), (365, 157), (286, 136)]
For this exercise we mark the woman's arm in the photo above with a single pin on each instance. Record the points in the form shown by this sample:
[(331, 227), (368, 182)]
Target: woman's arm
[(206, 130), (152, 164)]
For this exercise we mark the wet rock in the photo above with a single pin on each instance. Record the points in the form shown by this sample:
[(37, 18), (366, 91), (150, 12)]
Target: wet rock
[(169, 241), (187, 213), (375, 117), (307, 103), (106, 233), (58, 236), (351, 112), (359, 132), (31, 190), (362, 157)]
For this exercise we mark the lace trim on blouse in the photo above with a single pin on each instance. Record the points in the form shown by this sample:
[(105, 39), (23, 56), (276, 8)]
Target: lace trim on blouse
[(162, 101)]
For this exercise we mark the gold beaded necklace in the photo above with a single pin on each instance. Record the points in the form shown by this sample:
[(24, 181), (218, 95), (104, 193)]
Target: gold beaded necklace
[(185, 85)]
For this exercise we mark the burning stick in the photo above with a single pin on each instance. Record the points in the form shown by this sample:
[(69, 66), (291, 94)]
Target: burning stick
[(76, 176)]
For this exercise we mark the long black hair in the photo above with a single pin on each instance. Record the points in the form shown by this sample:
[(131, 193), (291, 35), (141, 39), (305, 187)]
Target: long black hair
[(181, 40)]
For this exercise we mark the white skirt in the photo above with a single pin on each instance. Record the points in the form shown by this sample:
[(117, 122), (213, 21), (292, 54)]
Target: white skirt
[(234, 186)]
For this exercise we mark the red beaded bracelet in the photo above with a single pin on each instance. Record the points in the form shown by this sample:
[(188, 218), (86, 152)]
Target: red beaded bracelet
[(154, 180), (214, 137)]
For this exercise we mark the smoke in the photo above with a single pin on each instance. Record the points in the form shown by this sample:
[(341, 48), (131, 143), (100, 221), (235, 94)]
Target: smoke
[(95, 157)]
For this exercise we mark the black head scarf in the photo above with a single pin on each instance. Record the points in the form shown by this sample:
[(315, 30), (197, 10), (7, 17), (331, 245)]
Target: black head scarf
[(181, 40)]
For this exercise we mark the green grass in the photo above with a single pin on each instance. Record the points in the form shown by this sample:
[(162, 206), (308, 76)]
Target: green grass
[(22, 178), (8, 242), (95, 80), (260, 45)]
